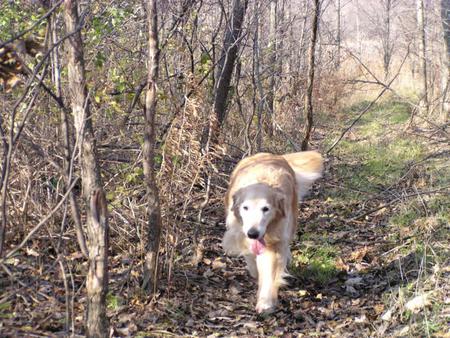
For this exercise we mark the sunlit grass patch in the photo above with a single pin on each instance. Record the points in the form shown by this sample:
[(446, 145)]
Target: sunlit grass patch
[(372, 167), (113, 302), (6, 310), (314, 261), (429, 213)]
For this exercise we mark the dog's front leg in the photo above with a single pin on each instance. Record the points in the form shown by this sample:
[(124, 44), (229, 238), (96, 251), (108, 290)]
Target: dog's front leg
[(267, 284), (251, 265)]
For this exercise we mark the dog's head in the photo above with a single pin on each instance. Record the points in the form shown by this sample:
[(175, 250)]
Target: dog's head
[(256, 206)]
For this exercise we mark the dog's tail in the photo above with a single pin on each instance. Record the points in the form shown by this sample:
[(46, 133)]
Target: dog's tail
[(308, 167)]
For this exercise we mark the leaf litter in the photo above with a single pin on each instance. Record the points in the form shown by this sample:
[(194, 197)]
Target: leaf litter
[(216, 297)]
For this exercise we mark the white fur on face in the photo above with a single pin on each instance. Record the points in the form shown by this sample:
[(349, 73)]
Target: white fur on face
[(256, 214)]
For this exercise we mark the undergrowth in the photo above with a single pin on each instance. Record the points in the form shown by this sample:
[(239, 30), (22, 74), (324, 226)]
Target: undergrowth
[(385, 160)]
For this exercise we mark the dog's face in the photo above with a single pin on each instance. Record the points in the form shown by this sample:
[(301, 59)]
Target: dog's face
[(257, 206)]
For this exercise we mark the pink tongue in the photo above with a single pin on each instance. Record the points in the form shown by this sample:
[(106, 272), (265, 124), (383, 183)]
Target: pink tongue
[(258, 246)]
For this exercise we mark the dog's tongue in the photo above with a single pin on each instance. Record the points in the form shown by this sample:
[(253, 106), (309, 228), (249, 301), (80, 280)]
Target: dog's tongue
[(258, 246)]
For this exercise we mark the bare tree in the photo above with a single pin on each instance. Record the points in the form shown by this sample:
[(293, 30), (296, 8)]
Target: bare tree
[(272, 47), (338, 34), (152, 232), (445, 76), (310, 81), (97, 222), (66, 139), (386, 38), (228, 58), (422, 55), (256, 78)]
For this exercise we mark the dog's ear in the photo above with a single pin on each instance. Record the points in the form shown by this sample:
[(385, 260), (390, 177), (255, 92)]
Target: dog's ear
[(237, 201), (280, 206)]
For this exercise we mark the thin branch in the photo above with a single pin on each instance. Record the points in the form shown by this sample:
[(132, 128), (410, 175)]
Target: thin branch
[(42, 18), (370, 105), (41, 223), (398, 199)]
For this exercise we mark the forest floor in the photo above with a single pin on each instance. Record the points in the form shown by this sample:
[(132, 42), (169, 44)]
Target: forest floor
[(371, 258)]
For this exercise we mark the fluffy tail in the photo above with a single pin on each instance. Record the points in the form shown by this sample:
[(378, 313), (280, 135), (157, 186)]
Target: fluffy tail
[(308, 167)]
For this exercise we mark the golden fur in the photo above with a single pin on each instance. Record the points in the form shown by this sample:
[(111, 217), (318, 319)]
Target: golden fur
[(275, 182)]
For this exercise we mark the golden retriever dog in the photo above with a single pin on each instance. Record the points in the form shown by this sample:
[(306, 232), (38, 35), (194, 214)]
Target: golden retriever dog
[(261, 215)]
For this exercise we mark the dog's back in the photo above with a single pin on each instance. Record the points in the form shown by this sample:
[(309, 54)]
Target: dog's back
[(305, 167), (267, 168)]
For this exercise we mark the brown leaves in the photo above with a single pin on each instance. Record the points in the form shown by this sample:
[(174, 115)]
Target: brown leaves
[(10, 67)]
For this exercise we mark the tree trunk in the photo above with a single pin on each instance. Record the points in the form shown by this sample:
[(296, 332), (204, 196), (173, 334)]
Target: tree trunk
[(227, 59), (152, 232), (387, 43), (66, 141), (310, 81), (423, 103), (338, 35), (97, 223), (272, 48), (257, 82), (445, 73)]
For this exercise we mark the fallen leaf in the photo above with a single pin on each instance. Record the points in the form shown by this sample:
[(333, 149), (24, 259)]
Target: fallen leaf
[(218, 264), (340, 264), (378, 308), (302, 293), (208, 273), (354, 281), (358, 255), (32, 252), (361, 319), (403, 331), (387, 316), (418, 303)]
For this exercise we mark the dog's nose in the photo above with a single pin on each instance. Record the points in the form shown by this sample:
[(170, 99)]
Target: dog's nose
[(253, 233)]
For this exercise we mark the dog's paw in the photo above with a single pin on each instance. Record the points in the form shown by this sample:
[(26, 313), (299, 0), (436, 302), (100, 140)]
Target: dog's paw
[(265, 306)]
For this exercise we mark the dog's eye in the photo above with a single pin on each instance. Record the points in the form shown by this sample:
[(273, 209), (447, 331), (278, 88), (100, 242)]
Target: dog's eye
[(265, 209), (245, 207)]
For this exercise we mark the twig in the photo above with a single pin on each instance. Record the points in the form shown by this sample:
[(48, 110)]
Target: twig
[(385, 88), (68, 319), (397, 199), (41, 223), (137, 94), (42, 18)]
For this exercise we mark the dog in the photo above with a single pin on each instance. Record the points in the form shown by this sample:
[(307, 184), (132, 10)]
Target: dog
[(261, 215)]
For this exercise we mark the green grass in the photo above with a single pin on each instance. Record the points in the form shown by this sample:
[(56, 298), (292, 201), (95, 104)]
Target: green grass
[(113, 302), (314, 261), (373, 166), (377, 153)]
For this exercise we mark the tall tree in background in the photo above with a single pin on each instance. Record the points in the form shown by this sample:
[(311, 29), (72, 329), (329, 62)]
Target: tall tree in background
[(386, 37), (228, 59), (310, 81), (97, 222), (256, 78), (152, 232), (338, 35), (422, 55), (445, 74), (272, 65)]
